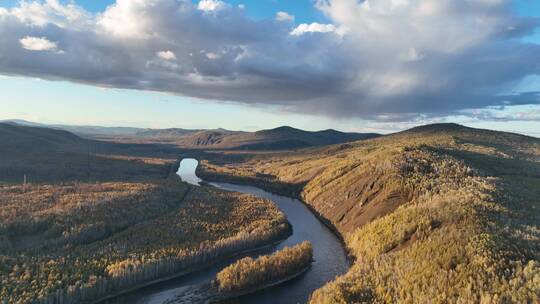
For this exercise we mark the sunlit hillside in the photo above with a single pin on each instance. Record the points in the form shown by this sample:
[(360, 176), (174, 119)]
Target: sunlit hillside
[(440, 213)]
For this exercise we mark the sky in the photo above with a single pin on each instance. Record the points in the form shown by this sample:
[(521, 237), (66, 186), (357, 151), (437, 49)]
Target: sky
[(366, 66)]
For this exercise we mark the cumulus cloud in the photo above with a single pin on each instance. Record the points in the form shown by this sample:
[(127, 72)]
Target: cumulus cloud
[(166, 55), (314, 28), (376, 59), (284, 16), (38, 44), (213, 56), (210, 5), (51, 11)]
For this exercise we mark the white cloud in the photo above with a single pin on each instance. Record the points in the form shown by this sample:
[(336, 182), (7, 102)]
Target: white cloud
[(213, 56), (38, 44), (51, 11), (210, 5), (314, 28), (127, 19), (166, 55), (284, 16), (377, 59), (444, 26)]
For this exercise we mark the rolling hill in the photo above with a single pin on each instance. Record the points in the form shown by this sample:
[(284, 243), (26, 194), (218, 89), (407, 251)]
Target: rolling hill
[(281, 138), (164, 133), (15, 137), (435, 214), (85, 131), (47, 155)]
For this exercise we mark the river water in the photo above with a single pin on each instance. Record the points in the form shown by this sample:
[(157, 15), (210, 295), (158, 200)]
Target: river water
[(329, 256)]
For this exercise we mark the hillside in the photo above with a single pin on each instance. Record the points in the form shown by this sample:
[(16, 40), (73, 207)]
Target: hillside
[(281, 138), (20, 137), (439, 213), (165, 133), (206, 138), (86, 131), (51, 155)]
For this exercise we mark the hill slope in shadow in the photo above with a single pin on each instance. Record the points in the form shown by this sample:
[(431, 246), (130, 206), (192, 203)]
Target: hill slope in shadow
[(52, 155)]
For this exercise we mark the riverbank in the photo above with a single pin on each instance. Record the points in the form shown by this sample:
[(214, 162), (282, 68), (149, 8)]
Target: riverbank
[(209, 293), (228, 296), (248, 275), (279, 188), (268, 229), (190, 271), (330, 258)]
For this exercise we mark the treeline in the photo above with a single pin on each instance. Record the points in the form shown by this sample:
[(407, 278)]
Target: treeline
[(248, 273)]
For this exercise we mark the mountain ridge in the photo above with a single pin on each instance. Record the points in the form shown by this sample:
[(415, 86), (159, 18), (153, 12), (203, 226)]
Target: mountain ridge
[(436, 201), (279, 138)]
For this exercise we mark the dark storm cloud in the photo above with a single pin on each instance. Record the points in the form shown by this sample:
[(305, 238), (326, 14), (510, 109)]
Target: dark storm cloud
[(383, 60)]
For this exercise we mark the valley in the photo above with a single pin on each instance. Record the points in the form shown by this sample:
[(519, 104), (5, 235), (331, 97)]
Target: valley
[(270, 152), (441, 212)]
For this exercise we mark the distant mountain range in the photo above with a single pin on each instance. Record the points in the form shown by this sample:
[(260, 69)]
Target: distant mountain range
[(86, 131), (281, 138), (272, 139)]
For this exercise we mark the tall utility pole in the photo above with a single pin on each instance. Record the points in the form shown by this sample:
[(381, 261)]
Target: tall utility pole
[(24, 183)]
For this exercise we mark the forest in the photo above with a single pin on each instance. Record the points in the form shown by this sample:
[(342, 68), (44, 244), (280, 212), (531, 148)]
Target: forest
[(74, 248), (70, 240)]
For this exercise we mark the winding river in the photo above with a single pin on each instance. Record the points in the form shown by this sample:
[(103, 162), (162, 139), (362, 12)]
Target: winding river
[(329, 255)]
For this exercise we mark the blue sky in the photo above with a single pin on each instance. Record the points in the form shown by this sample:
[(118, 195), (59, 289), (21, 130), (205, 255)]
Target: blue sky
[(64, 101), (81, 104), (529, 8), (303, 10), (78, 104)]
